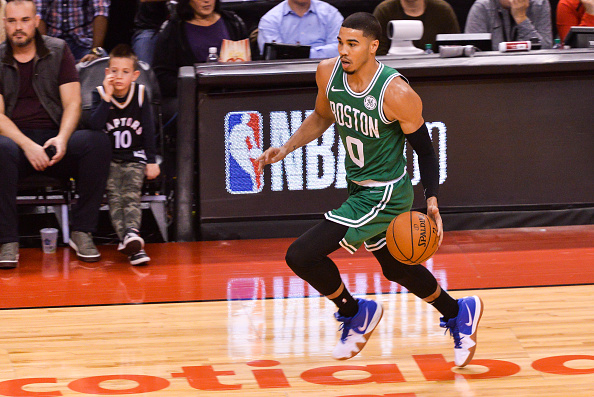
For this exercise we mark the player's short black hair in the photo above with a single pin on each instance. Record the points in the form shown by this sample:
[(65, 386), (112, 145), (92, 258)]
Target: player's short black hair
[(124, 51), (364, 22)]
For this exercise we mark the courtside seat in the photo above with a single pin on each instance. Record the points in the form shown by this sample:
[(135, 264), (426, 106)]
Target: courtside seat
[(91, 75), (39, 190)]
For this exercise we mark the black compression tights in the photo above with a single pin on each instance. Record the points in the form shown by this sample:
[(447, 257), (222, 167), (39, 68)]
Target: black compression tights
[(308, 258)]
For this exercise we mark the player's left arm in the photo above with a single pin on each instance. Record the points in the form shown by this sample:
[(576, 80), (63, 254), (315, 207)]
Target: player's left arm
[(402, 103)]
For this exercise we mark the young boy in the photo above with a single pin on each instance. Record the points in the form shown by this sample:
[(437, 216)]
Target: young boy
[(122, 109)]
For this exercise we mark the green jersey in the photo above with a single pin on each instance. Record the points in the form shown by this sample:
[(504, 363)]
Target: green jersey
[(374, 146)]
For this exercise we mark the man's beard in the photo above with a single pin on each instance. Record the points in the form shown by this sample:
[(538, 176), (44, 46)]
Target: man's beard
[(28, 40)]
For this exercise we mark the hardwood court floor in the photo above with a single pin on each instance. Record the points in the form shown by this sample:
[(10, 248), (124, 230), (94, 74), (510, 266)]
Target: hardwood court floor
[(229, 319)]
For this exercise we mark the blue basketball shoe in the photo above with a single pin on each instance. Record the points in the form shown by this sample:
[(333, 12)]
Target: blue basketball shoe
[(356, 330), (463, 328)]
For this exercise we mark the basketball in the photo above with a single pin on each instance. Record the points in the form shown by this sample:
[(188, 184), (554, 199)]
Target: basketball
[(412, 237)]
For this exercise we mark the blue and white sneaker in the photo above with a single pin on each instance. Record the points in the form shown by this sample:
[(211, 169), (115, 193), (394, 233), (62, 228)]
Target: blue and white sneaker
[(356, 330), (463, 328)]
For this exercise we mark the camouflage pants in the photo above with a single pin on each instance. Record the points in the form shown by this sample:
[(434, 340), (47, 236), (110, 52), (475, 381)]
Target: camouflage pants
[(124, 187)]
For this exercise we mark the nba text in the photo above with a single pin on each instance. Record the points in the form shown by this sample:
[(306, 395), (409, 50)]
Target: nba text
[(318, 165)]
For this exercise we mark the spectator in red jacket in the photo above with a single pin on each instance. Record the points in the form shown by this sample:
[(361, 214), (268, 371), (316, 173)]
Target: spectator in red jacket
[(574, 13)]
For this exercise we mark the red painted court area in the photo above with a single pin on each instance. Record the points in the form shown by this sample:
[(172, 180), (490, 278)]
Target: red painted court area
[(221, 270)]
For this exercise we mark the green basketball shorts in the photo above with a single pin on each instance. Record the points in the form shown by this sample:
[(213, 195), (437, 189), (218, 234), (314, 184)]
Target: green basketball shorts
[(369, 210)]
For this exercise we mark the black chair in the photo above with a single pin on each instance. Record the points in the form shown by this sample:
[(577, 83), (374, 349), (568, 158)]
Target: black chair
[(91, 75), (39, 190)]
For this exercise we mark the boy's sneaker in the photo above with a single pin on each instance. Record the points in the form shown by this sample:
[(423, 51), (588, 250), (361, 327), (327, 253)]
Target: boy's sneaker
[(139, 258), (356, 330), (463, 328), (83, 245), (9, 255), (132, 243)]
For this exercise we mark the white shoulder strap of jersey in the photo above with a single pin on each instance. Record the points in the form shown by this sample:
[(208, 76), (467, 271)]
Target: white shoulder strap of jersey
[(140, 94), (101, 92), (116, 103)]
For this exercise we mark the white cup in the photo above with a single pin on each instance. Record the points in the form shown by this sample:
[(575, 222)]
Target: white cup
[(49, 240)]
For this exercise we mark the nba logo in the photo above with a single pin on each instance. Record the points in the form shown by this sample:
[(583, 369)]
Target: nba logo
[(243, 146)]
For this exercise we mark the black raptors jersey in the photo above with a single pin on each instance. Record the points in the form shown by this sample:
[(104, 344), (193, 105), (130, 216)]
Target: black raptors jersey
[(129, 123)]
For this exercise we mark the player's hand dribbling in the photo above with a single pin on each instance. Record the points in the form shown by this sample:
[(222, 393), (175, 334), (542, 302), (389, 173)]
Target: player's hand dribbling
[(433, 212), (270, 156)]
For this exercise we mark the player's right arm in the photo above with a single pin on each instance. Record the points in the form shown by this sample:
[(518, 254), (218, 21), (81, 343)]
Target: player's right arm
[(313, 126), (402, 103)]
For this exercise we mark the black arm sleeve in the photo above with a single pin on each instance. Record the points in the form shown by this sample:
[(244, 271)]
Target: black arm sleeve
[(428, 165)]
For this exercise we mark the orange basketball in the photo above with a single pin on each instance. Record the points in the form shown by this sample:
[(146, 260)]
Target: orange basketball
[(412, 237)]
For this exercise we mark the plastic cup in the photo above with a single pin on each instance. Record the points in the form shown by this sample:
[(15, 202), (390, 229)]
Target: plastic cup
[(49, 239)]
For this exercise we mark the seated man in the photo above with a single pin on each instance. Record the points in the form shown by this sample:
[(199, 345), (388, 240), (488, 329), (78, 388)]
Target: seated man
[(512, 20), (2, 35), (437, 17), (150, 16), (574, 13), (82, 23), (40, 105), (307, 22)]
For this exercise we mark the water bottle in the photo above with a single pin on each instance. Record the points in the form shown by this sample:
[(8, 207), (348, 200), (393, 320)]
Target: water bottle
[(212, 55), (557, 45), (428, 49)]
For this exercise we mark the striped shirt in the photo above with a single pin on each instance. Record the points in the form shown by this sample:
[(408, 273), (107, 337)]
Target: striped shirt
[(72, 18)]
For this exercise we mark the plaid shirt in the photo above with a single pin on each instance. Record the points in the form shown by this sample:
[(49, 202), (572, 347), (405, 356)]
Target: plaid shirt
[(72, 18)]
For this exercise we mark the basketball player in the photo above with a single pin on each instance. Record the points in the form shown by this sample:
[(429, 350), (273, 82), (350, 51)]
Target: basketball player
[(122, 110), (374, 110)]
